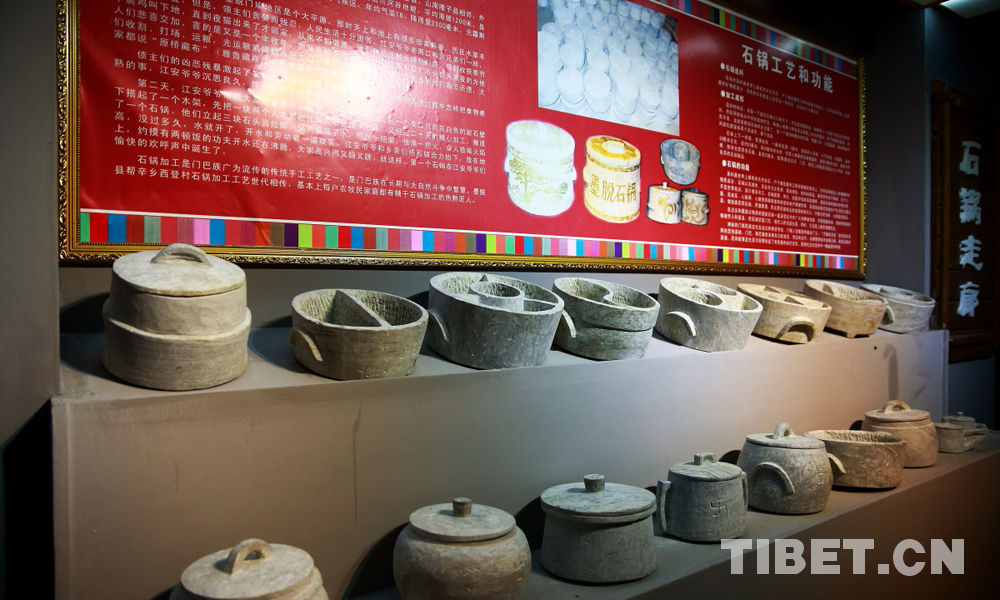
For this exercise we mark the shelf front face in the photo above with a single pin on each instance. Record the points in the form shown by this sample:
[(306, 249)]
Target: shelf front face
[(333, 467)]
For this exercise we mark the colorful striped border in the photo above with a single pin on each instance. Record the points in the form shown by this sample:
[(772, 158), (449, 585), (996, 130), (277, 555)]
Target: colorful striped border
[(761, 33), (115, 228)]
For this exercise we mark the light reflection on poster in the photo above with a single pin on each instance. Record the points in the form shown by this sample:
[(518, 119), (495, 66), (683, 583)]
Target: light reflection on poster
[(562, 131)]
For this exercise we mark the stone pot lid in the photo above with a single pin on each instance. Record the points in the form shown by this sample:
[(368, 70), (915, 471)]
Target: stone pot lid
[(705, 468), (595, 498), (897, 411), (959, 417), (612, 151), (178, 270), (251, 570), (784, 437), (461, 521)]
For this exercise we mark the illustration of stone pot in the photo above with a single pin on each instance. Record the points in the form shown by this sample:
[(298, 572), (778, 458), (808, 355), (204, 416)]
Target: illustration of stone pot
[(460, 550), (787, 473), (681, 161), (356, 334), (705, 316), (611, 179), (664, 204), (539, 167), (694, 206), (787, 316), (604, 320), (703, 500), (491, 321)]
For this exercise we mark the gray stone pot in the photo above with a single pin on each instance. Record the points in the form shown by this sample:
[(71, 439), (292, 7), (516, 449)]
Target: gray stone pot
[(855, 311), (959, 433), (604, 320), (251, 570), (906, 311), (787, 473), (703, 500), (460, 550), (787, 316), (868, 459), (912, 425), (176, 319), (597, 532), (704, 315), (491, 321), (356, 334)]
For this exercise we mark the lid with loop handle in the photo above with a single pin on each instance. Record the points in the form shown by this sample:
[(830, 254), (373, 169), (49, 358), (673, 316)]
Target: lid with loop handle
[(897, 411), (178, 270), (251, 570)]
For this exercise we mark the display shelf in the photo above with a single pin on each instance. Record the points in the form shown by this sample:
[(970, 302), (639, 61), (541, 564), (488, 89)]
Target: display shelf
[(334, 467)]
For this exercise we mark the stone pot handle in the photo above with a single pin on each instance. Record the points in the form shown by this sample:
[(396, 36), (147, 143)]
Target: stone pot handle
[(889, 316), (437, 321), (782, 430), (237, 559), (296, 336), (777, 470), (688, 323), (799, 321), (894, 405), (567, 322), (746, 490), (182, 252), (662, 491), (838, 467)]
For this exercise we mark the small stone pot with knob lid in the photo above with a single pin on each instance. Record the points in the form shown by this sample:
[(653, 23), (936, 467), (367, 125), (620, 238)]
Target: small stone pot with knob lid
[(787, 473), (703, 500), (598, 532), (912, 425), (460, 550), (252, 570)]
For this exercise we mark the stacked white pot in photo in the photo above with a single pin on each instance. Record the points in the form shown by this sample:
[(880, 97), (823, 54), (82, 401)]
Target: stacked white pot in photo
[(608, 59)]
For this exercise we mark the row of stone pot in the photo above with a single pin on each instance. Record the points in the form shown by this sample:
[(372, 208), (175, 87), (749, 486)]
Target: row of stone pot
[(595, 531), (177, 319)]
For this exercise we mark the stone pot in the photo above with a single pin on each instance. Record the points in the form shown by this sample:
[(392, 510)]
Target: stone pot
[(491, 321), (252, 570), (787, 473), (868, 459), (906, 311), (787, 316), (604, 320), (704, 315), (912, 425), (176, 319), (959, 433), (460, 550), (598, 532), (854, 311), (681, 160), (356, 334), (703, 500)]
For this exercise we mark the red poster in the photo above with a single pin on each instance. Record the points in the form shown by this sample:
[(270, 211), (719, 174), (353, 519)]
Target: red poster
[(554, 131)]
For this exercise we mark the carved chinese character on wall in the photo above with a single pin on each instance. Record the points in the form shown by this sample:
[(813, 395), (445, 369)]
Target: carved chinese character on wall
[(964, 253)]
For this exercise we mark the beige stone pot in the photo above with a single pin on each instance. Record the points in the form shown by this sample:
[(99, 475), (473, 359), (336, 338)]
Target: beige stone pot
[(252, 570), (855, 311), (959, 433), (868, 459), (597, 532), (356, 334), (460, 550), (911, 425), (907, 310), (787, 316), (176, 319), (704, 315)]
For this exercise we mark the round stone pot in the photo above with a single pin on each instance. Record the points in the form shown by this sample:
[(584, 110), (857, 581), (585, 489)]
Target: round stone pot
[(604, 320), (868, 459), (787, 473), (906, 311), (787, 316), (854, 311), (704, 315), (597, 532), (460, 550), (909, 424), (356, 334)]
